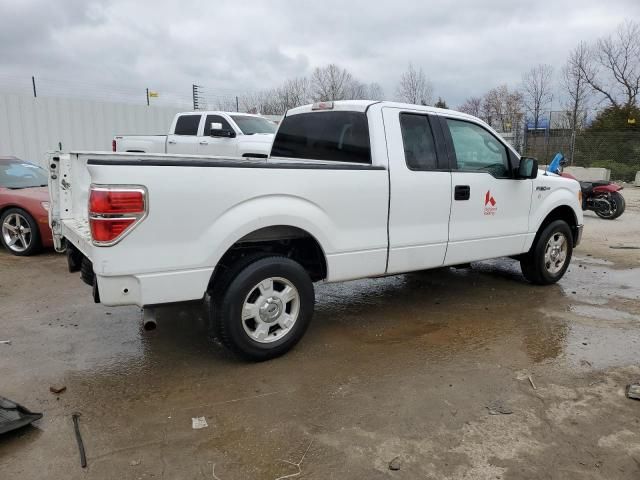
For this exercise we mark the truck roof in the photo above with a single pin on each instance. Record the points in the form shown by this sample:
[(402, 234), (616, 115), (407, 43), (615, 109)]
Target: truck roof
[(363, 105), (218, 112)]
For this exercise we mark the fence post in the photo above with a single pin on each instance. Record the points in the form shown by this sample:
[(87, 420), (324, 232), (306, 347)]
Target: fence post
[(237, 104), (33, 82), (194, 88)]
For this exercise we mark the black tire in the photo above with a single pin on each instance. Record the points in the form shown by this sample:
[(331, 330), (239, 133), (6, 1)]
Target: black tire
[(620, 204), (534, 264), (229, 294), (34, 243)]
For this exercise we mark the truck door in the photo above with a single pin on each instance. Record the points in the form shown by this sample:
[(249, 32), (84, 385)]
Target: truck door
[(219, 146), (490, 207), (184, 137), (420, 190)]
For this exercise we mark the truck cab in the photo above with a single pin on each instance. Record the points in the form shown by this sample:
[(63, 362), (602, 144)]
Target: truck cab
[(208, 133)]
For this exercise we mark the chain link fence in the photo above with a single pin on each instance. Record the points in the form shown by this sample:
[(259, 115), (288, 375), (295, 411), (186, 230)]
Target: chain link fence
[(616, 148)]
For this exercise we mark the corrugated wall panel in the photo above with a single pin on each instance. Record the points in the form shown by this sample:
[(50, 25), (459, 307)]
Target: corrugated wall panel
[(30, 127)]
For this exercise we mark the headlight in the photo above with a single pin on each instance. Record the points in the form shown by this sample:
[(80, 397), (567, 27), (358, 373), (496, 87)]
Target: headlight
[(45, 205)]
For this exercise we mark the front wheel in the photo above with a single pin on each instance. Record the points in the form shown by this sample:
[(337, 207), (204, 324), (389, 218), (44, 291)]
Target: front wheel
[(616, 200), (550, 254), (265, 309), (19, 232)]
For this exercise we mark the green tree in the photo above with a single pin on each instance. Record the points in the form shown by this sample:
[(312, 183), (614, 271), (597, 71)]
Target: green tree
[(441, 103), (612, 141)]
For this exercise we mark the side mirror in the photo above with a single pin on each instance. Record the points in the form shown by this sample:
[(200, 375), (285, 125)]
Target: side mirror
[(217, 131), (528, 168)]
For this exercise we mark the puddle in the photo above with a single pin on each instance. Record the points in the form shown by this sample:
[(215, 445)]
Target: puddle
[(608, 314)]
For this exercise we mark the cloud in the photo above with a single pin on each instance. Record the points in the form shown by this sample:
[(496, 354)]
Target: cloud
[(230, 47)]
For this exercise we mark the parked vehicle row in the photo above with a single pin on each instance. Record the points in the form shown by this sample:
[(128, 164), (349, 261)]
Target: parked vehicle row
[(206, 133), (351, 189)]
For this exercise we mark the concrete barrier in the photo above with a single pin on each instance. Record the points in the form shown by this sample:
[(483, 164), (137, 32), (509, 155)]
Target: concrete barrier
[(590, 174), (637, 180)]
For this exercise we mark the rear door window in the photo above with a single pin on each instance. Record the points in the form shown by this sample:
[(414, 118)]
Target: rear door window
[(187, 125), (332, 136), (419, 145)]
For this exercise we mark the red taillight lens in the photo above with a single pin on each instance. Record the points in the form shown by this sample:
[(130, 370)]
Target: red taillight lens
[(112, 201), (108, 229), (113, 145), (114, 211)]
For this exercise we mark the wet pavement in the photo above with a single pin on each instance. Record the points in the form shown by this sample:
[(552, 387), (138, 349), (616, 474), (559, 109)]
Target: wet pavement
[(403, 366)]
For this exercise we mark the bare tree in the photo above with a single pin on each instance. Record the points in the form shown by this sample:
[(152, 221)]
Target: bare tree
[(472, 106), (537, 88), (331, 83), (293, 93), (502, 109), (493, 106), (612, 67), (577, 89), (374, 92), (414, 87)]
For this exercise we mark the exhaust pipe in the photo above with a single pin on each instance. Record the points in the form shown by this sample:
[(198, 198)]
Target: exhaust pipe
[(149, 319)]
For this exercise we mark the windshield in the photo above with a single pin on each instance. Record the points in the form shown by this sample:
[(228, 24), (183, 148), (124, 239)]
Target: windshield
[(19, 174), (251, 125)]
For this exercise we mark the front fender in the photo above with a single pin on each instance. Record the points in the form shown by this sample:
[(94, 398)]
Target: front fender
[(542, 206)]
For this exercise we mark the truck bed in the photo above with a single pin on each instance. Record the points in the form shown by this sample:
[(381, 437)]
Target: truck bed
[(197, 210)]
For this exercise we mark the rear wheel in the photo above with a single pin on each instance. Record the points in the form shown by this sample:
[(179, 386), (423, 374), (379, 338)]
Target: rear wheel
[(550, 255), (265, 307), (617, 207), (19, 232)]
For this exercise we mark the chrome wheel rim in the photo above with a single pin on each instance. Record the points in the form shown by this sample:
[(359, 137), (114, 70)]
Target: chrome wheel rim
[(555, 253), (270, 310), (612, 207), (16, 232)]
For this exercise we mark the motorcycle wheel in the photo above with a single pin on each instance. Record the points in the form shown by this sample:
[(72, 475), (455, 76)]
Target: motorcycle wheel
[(617, 207)]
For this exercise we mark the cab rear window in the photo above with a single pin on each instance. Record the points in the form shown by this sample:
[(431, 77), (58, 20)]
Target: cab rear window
[(332, 136)]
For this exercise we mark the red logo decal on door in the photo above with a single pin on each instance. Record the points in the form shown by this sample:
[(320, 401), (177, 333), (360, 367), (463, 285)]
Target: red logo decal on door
[(489, 204)]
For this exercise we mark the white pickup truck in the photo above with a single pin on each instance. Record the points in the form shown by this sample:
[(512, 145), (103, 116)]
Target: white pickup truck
[(351, 189), (206, 133)]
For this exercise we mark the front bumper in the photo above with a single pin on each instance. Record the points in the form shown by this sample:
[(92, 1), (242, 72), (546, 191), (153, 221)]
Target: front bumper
[(577, 235)]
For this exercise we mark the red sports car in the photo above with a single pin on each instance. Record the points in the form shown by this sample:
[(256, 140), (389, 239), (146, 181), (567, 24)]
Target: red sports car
[(24, 207)]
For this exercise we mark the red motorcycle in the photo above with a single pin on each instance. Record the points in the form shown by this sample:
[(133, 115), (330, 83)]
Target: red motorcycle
[(601, 197)]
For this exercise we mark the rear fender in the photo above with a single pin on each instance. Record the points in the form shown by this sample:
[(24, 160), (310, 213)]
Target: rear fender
[(612, 187)]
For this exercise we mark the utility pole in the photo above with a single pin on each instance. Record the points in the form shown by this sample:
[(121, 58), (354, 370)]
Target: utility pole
[(195, 90), (237, 104), (147, 97), (33, 82)]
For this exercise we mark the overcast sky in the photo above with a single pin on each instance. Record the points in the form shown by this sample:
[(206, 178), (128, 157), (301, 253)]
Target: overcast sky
[(464, 47)]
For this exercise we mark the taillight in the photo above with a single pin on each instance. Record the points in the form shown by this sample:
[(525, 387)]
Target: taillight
[(114, 211), (113, 145)]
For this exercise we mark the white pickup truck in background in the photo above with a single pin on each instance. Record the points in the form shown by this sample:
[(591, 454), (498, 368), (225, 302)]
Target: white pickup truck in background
[(206, 133), (351, 189)]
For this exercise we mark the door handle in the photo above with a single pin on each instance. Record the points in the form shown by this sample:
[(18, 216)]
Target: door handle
[(204, 143), (171, 142), (462, 192)]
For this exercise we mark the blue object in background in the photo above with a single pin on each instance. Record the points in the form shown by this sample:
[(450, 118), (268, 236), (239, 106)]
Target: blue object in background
[(543, 124), (554, 166)]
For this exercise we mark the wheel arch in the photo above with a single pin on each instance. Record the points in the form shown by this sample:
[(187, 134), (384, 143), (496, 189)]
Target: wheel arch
[(561, 212), (290, 241)]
